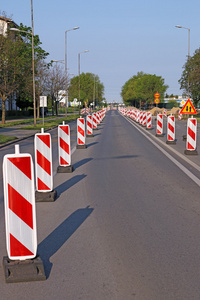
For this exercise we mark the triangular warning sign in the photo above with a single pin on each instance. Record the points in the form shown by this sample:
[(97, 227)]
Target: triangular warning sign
[(188, 108)]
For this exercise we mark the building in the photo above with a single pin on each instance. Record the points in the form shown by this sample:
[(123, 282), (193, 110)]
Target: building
[(180, 100), (5, 24)]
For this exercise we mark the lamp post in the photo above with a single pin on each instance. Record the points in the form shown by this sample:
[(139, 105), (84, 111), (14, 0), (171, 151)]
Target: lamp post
[(179, 26), (66, 83), (79, 85)]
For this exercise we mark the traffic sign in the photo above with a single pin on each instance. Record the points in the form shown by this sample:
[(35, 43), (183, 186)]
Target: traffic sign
[(157, 100), (188, 108), (156, 95)]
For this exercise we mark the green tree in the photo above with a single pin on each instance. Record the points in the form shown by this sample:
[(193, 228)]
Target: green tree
[(10, 68), (16, 66), (191, 73), (90, 89), (141, 88), (25, 88)]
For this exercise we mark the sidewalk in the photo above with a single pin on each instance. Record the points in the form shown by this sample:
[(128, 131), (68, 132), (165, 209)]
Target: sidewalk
[(20, 133)]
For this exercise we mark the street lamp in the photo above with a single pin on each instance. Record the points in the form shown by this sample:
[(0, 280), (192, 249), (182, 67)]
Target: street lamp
[(179, 26), (79, 86), (66, 84)]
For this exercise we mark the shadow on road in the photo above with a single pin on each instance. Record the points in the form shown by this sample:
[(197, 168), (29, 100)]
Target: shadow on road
[(69, 183), (91, 144), (55, 240), (81, 162), (117, 157)]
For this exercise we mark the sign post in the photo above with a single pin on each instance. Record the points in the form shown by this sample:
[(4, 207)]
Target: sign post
[(43, 104)]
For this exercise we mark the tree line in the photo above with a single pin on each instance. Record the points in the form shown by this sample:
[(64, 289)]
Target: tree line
[(16, 75), (141, 88)]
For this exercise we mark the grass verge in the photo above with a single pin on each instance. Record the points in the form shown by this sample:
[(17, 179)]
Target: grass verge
[(4, 139), (51, 123)]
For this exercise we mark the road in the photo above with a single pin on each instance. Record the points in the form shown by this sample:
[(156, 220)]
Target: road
[(125, 225)]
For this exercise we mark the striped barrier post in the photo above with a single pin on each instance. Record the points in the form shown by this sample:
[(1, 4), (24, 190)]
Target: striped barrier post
[(137, 116), (171, 130), (97, 117), (20, 219), (43, 167), (144, 121), (149, 121), (94, 121), (81, 134), (64, 149), (141, 117), (159, 129), (89, 126), (191, 141)]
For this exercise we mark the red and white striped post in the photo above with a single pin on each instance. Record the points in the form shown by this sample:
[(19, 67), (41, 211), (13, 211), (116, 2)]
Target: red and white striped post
[(144, 121), (97, 118), (171, 130), (89, 126), (149, 121), (165, 112), (137, 116), (20, 219), (159, 129), (141, 118), (81, 134), (64, 149), (94, 121), (191, 142), (19, 197), (43, 167)]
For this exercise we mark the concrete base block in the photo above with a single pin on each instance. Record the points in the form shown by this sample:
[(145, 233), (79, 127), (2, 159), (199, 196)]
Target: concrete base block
[(23, 270), (46, 196), (89, 135), (159, 135), (171, 142), (191, 152), (81, 146), (65, 169)]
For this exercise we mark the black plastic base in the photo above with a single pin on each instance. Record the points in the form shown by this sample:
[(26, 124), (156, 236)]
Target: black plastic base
[(46, 196), (23, 270), (159, 135), (191, 152), (81, 146), (149, 128), (89, 135), (65, 169), (171, 142)]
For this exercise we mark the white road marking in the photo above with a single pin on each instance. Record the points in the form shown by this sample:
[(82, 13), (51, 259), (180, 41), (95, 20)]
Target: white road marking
[(178, 164)]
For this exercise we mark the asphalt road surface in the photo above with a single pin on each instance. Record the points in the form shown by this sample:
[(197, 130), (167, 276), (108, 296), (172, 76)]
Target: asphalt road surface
[(125, 225)]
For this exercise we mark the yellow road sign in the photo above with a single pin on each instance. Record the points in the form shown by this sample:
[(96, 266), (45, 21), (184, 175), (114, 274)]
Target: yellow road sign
[(157, 100), (188, 108)]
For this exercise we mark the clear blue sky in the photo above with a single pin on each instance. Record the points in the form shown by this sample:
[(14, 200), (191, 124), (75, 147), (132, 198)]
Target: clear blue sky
[(123, 36)]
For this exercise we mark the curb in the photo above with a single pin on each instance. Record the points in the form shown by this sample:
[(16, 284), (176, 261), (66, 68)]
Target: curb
[(23, 138)]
